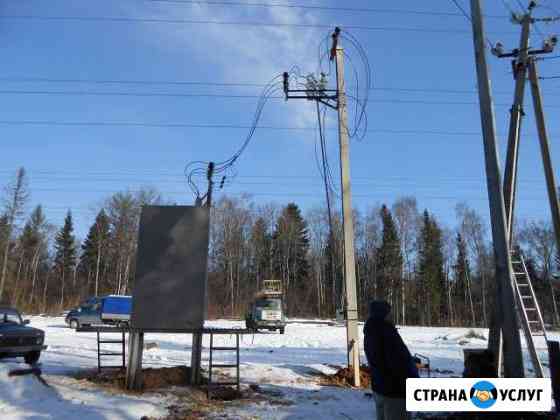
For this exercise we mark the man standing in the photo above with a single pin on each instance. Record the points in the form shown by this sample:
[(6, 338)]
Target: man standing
[(390, 363)]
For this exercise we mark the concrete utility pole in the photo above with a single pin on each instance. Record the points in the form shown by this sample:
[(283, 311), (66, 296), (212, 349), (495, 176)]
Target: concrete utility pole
[(545, 150), (196, 348), (348, 225), (505, 300), (510, 174)]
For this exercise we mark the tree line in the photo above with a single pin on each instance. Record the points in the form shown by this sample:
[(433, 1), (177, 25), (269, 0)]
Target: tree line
[(430, 273)]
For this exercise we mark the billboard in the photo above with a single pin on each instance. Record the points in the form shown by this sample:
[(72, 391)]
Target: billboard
[(169, 292)]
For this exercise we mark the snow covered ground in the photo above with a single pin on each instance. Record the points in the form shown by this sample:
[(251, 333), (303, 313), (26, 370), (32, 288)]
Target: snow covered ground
[(285, 366)]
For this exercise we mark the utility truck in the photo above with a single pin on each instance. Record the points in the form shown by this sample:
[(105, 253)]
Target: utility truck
[(266, 311)]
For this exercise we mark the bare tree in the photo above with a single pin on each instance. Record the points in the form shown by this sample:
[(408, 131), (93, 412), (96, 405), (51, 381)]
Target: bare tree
[(15, 197), (473, 230), (538, 238), (318, 235), (405, 213)]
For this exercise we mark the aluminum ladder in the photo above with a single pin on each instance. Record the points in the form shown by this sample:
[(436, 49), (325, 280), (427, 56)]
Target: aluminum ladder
[(529, 311)]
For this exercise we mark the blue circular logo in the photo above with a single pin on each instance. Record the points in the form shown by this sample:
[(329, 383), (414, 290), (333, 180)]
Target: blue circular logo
[(483, 394)]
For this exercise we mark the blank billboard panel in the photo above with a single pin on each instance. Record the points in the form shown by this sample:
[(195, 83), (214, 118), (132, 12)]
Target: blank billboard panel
[(171, 268)]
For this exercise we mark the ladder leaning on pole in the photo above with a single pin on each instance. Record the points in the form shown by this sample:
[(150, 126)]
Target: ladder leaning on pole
[(529, 311)]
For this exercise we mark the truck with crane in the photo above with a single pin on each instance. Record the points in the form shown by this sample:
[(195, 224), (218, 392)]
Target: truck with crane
[(266, 311)]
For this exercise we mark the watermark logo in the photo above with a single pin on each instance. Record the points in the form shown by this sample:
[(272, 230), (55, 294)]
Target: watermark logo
[(484, 394), (478, 394)]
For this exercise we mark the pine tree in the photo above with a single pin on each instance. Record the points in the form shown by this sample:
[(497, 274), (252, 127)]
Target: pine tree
[(389, 259), (261, 242), (95, 249), (462, 288), (291, 246), (32, 252), (65, 257), (334, 271), (433, 285)]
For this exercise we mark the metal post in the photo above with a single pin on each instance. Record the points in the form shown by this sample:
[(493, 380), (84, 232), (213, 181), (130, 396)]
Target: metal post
[(237, 360), (196, 356), (210, 361), (98, 354), (545, 151), (506, 319), (123, 350), (134, 367), (349, 264), (510, 174)]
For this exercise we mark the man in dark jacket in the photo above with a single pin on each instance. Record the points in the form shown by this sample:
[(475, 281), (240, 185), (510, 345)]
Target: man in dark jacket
[(390, 363)]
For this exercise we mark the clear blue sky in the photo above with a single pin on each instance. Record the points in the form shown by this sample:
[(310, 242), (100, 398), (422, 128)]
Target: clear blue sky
[(76, 166)]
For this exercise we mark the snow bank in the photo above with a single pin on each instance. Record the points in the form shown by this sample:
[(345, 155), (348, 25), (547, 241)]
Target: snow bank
[(25, 397)]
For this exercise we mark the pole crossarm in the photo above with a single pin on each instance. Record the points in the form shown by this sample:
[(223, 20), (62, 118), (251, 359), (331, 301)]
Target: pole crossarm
[(328, 97)]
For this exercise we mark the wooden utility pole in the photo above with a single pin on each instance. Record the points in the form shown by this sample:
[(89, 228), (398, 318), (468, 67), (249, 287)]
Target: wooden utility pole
[(505, 301), (352, 335), (545, 150), (510, 174)]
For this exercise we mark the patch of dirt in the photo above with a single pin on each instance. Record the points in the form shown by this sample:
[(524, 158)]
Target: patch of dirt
[(344, 377), (153, 378), (189, 406), (225, 393), (164, 377)]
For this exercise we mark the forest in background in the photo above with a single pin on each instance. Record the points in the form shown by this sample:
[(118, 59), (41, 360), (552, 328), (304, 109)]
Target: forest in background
[(430, 273)]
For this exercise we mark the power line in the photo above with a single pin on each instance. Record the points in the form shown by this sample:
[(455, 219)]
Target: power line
[(509, 8), (467, 184), (108, 19), (325, 8), (318, 194), (221, 126), (468, 17), (226, 96), (163, 177), (17, 79), (125, 82)]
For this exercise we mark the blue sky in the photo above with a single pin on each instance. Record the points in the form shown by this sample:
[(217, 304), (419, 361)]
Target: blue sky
[(77, 166)]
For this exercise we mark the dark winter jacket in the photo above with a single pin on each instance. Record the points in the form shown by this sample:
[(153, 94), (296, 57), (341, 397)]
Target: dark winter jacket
[(389, 360)]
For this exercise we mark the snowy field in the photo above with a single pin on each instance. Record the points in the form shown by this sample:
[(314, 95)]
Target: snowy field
[(283, 365)]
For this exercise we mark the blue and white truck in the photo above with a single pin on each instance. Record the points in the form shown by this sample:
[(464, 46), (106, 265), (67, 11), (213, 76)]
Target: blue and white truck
[(111, 309)]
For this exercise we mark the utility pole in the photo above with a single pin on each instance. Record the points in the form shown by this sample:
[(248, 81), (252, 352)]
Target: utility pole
[(336, 99), (209, 176), (352, 336), (545, 150), (519, 67), (196, 348), (524, 61), (505, 301), (520, 74)]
